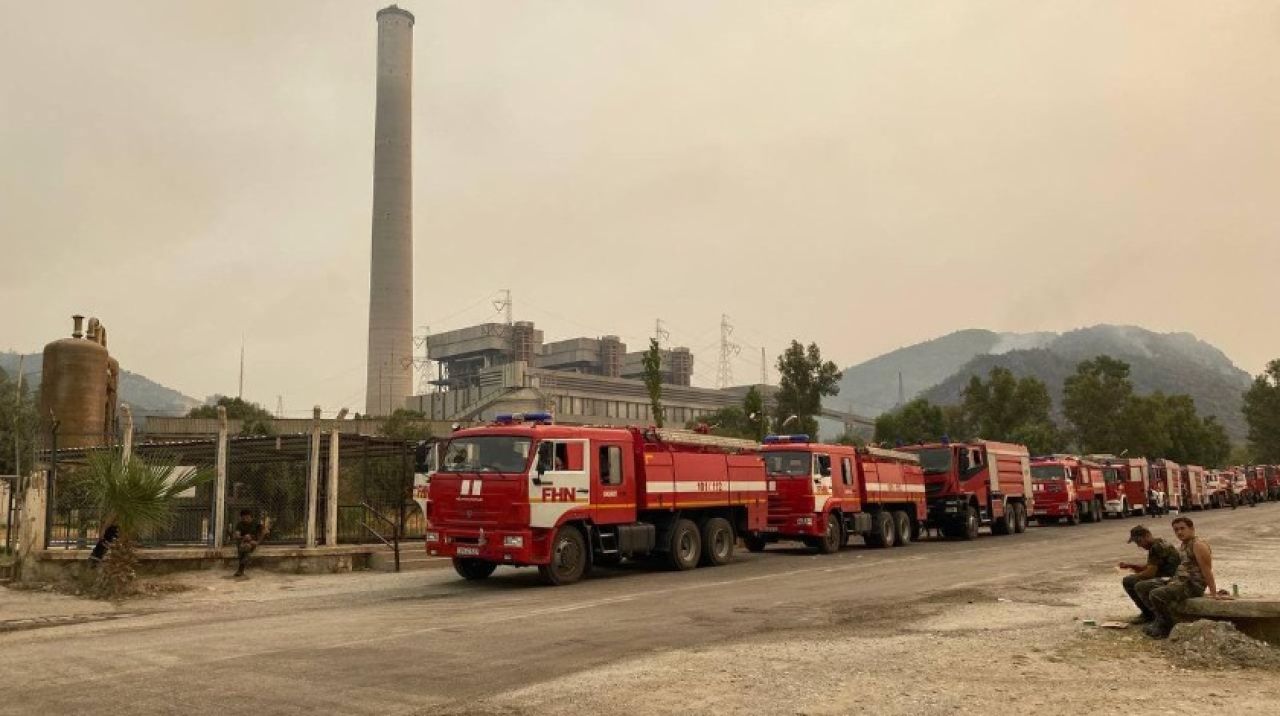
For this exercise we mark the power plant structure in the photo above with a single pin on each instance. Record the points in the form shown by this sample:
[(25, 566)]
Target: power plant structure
[(80, 387), (390, 360)]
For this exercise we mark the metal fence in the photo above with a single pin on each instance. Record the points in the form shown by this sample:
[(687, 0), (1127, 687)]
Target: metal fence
[(267, 475)]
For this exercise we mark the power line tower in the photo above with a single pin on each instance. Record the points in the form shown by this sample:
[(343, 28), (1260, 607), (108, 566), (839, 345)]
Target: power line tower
[(422, 364), (660, 333), (505, 306), (902, 394), (728, 349), (764, 368), (279, 406)]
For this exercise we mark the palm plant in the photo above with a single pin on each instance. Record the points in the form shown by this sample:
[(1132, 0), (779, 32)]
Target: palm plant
[(136, 495)]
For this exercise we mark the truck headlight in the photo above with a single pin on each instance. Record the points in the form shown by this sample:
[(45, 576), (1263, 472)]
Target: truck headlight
[(431, 536), (516, 541)]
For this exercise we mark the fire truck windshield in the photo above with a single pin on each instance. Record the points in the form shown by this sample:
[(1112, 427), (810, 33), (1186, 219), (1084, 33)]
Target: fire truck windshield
[(1048, 472), (486, 453), (787, 464), (935, 460), (1111, 475)]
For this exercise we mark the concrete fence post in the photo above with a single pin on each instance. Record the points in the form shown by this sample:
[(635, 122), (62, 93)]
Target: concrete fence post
[(220, 482), (126, 445), (331, 491), (313, 478)]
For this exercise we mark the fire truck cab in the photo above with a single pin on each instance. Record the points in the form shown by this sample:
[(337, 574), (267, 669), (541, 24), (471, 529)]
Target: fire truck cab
[(1066, 488), (968, 485), (1127, 484), (526, 492), (1272, 474), (823, 494)]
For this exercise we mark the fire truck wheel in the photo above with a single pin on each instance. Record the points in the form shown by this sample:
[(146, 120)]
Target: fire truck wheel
[(755, 543), (717, 542), (1073, 518), (473, 569), (1020, 518), (901, 528), (568, 558), (686, 546), (832, 538), (1004, 525), (971, 523), (882, 532)]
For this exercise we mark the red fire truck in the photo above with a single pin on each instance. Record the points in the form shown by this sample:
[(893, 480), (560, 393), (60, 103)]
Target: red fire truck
[(1215, 490), (1272, 473), (1166, 484), (1257, 483), (1066, 487), (526, 492), (1127, 483), (973, 484), (1194, 496), (1241, 492), (823, 494)]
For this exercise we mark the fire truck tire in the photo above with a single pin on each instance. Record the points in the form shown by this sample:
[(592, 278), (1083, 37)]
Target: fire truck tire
[(755, 543), (568, 558), (901, 528), (1073, 518), (1005, 524), (685, 549), (1020, 518), (717, 542), (473, 569), (969, 530), (882, 531), (832, 538)]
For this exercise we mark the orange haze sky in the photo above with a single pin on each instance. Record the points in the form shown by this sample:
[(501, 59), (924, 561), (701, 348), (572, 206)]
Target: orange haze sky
[(865, 175)]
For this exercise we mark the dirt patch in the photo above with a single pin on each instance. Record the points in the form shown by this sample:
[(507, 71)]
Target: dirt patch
[(1218, 645)]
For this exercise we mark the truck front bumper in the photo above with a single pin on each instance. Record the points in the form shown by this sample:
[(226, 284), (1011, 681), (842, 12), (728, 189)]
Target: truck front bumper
[(500, 546)]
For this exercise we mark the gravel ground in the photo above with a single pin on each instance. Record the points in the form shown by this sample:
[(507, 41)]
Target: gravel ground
[(960, 651)]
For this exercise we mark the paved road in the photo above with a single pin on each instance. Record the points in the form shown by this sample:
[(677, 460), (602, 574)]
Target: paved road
[(410, 642)]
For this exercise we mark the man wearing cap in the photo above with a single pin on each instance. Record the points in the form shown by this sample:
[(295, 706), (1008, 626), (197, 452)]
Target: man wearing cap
[(1162, 563)]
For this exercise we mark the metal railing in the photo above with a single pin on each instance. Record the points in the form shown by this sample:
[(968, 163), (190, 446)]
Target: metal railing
[(394, 543)]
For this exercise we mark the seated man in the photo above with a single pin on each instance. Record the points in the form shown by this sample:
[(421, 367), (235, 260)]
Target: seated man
[(1162, 564), (247, 534), (1194, 574)]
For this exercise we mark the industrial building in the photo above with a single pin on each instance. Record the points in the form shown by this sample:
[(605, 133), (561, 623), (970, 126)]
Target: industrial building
[(495, 368)]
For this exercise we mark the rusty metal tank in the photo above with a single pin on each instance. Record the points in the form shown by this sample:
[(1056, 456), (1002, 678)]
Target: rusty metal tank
[(73, 388)]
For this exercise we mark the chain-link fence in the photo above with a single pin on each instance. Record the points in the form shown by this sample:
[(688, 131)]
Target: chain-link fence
[(267, 476)]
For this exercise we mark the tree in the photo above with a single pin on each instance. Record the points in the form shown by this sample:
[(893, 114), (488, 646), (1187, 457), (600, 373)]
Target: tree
[(652, 361), (851, 438), (1094, 400), (1217, 446), (18, 423), (137, 497), (1011, 410), (805, 380), (255, 419), (919, 421), (730, 422), (1262, 413), (407, 425), (1143, 428), (757, 418)]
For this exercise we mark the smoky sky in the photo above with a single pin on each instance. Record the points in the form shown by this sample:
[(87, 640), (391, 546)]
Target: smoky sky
[(864, 175)]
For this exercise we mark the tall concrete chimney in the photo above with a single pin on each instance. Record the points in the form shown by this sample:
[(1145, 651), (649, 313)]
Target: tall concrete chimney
[(390, 376)]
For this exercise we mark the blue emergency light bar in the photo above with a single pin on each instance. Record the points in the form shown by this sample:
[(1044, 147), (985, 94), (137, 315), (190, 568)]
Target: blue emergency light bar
[(542, 418), (781, 439)]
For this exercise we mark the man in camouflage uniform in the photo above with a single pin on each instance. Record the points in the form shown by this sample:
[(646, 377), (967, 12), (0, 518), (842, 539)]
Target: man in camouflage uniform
[(1195, 573), (1162, 564)]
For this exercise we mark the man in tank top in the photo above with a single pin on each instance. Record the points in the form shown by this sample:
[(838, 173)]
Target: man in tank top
[(1194, 574)]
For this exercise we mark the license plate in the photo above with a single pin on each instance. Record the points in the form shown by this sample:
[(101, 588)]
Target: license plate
[(468, 551)]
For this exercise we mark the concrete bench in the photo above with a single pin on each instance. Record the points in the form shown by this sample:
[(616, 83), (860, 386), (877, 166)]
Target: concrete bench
[(1257, 617)]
